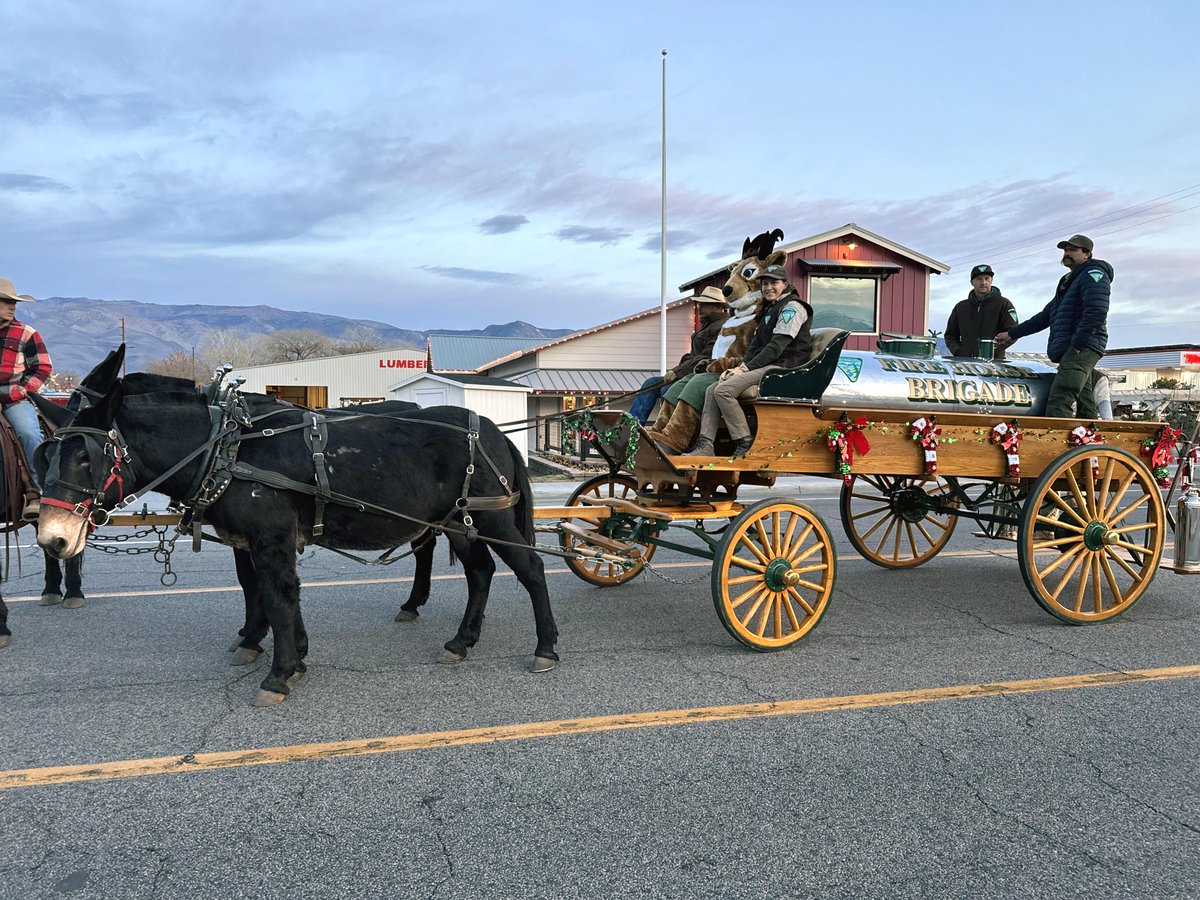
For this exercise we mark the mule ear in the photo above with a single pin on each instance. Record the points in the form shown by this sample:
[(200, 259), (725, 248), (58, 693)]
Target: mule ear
[(104, 412), (55, 414), (104, 376), (778, 258)]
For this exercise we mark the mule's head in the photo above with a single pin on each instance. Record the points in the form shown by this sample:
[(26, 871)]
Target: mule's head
[(741, 289), (84, 472)]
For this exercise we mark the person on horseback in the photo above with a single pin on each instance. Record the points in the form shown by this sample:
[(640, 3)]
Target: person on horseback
[(24, 367)]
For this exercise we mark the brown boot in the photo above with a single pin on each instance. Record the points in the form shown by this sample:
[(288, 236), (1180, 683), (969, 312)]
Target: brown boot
[(664, 416), (682, 430)]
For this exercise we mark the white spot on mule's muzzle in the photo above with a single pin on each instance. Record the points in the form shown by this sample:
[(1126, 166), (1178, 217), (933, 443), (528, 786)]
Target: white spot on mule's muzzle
[(61, 533)]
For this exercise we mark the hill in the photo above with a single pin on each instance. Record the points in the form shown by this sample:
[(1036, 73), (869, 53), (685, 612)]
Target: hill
[(80, 330)]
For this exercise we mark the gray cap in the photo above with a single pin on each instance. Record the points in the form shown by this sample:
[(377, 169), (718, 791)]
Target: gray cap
[(776, 273)]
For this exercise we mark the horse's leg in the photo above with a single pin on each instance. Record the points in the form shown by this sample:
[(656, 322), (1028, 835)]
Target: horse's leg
[(5, 634), (479, 567), (52, 589), (73, 568), (274, 559), (530, 571), (248, 646), (419, 595), (301, 640)]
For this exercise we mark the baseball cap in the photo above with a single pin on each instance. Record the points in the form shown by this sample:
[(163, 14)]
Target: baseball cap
[(1082, 241), (982, 270), (778, 273)]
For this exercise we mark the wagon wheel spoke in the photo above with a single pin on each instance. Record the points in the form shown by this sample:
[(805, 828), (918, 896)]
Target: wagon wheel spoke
[(887, 533), (750, 594), (1143, 499), (1118, 494), (1097, 591), (1078, 548), (795, 595), (790, 536), (1084, 577), (747, 564), (1066, 507), (1060, 524), (1066, 577), (794, 555), (1133, 573), (745, 542)]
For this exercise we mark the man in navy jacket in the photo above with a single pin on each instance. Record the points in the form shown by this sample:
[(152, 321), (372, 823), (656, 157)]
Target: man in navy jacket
[(1078, 321)]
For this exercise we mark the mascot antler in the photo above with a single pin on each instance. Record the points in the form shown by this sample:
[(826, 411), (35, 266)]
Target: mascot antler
[(761, 246)]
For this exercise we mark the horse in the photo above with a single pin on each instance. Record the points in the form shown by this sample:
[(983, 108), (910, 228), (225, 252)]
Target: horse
[(153, 430)]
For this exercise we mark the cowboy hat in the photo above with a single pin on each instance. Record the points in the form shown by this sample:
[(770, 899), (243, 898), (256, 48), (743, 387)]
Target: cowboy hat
[(8, 292)]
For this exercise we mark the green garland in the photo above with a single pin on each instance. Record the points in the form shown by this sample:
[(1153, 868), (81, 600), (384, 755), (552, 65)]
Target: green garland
[(582, 425)]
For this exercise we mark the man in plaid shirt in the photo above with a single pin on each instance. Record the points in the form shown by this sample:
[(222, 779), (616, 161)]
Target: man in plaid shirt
[(24, 367)]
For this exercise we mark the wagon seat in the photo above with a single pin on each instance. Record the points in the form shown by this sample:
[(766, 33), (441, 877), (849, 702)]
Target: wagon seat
[(803, 384)]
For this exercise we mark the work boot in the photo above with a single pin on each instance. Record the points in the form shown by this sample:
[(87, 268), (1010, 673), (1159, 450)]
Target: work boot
[(33, 507), (742, 446), (664, 416), (681, 430), (702, 447)]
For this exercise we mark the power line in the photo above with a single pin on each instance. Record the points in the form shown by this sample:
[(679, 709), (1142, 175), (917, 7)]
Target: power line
[(1112, 216), (1177, 212)]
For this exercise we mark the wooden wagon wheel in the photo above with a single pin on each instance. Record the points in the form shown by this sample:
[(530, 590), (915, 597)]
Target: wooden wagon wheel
[(594, 571), (773, 574), (888, 519), (1091, 536)]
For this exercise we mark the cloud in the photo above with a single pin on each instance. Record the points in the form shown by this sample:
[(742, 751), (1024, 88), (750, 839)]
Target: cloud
[(676, 240), (19, 181), (502, 224), (583, 234), (476, 275)]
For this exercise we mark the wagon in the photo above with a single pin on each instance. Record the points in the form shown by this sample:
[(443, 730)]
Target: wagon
[(919, 443)]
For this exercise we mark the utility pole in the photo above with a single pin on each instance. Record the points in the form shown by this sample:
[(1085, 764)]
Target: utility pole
[(663, 226)]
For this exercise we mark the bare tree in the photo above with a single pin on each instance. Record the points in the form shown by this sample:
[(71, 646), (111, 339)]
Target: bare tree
[(291, 344), (229, 345), (359, 339), (180, 364)]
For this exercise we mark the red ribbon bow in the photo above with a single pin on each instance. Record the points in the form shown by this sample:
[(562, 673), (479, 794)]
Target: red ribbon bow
[(845, 438), (1159, 451)]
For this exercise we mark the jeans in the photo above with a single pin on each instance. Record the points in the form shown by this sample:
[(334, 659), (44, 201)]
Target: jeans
[(643, 404), (24, 419), (1071, 391)]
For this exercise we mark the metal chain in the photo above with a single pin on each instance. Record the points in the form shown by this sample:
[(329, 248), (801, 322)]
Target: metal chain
[(162, 551), (676, 581)]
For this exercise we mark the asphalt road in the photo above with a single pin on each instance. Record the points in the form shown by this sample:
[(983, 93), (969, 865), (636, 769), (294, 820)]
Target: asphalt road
[(1088, 790)]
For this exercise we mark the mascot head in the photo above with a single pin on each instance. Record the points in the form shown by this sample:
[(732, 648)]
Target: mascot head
[(742, 289)]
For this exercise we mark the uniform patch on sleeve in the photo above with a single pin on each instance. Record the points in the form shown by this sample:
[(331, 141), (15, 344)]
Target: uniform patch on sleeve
[(1096, 276), (787, 315), (1012, 314)]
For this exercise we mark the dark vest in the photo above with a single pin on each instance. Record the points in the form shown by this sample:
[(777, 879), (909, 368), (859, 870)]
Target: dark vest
[(796, 353)]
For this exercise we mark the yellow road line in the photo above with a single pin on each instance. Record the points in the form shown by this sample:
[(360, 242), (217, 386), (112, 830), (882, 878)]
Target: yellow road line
[(202, 762)]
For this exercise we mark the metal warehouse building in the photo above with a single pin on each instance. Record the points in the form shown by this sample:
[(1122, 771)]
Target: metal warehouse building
[(335, 380)]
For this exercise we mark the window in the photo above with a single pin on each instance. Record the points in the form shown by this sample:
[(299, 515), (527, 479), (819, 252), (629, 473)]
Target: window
[(849, 303)]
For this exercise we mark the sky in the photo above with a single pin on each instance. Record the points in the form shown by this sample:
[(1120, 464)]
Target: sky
[(458, 164)]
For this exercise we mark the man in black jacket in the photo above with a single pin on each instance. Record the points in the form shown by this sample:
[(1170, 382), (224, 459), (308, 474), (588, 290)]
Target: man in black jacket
[(984, 314), (1078, 321), (782, 340), (710, 306)]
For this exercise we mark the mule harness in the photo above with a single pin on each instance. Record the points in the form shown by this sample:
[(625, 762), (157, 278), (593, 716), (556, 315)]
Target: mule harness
[(220, 466)]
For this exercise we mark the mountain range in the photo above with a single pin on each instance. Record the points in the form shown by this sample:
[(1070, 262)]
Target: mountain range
[(78, 331)]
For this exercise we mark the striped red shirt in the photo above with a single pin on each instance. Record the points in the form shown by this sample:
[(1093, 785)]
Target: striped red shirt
[(24, 363)]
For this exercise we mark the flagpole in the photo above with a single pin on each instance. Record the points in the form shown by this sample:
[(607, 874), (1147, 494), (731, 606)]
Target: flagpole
[(663, 225)]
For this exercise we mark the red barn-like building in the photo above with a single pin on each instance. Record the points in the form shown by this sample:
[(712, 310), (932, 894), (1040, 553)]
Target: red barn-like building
[(856, 280)]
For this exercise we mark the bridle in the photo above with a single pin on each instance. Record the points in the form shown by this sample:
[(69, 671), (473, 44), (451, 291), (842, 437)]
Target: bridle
[(107, 453)]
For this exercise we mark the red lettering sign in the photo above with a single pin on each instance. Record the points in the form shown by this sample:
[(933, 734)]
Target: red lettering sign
[(1191, 359), (402, 364)]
